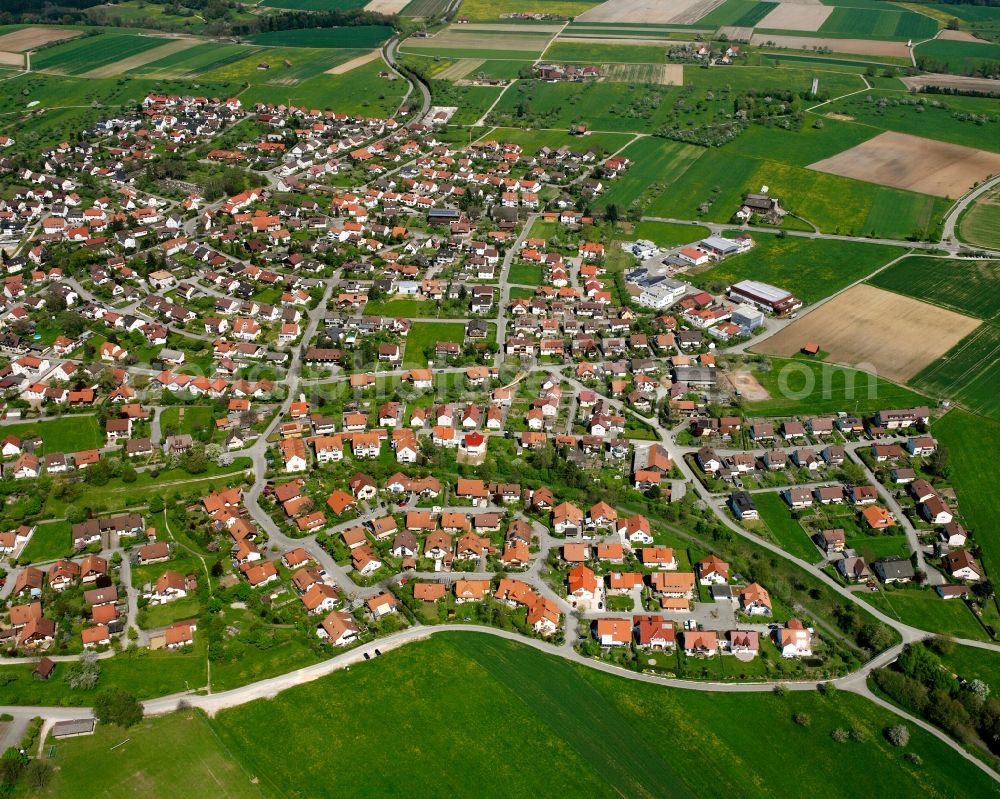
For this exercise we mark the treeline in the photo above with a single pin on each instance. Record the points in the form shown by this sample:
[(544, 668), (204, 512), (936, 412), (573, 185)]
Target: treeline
[(921, 682), (989, 3), (299, 20), (980, 69)]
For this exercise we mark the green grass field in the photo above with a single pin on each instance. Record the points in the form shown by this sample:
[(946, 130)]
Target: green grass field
[(196, 60), (50, 540), (740, 13), (969, 287), (964, 58), (785, 530), (809, 268), (873, 547), (803, 145), (186, 419), (926, 610), (968, 373), (534, 140), (887, 23), (655, 162), (490, 10), (578, 52), (448, 735), (525, 274), (971, 441), (425, 334), (980, 226), (90, 52), (177, 755), (799, 386), (665, 234), (363, 37), (65, 434)]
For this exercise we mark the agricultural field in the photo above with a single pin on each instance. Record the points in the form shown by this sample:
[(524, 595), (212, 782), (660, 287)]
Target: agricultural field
[(968, 121), (963, 58), (561, 52), (491, 10), (360, 91), (968, 373), (971, 441), (88, 53), (65, 434), (426, 334), (785, 530), (913, 163), (980, 226), (424, 8), (799, 386), (471, 101), (362, 37), (802, 146), (681, 12), (660, 74), (889, 334), (564, 714), (968, 287), (885, 23), (831, 43), (738, 13), (811, 269), (196, 60), (525, 39), (796, 17), (655, 161)]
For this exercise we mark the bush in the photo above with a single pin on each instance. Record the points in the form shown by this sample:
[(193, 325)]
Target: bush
[(898, 734), (914, 758), (802, 719), (840, 735), (38, 773), (117, 706)]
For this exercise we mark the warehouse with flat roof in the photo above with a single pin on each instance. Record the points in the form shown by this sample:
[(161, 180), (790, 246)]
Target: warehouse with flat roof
[(764, 296)]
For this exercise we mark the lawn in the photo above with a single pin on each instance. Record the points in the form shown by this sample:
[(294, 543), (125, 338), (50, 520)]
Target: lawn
[(968, 373), (800, 386), (525, 274), (361, 36), (923, 608), (785, 530), (811, 269), (175, 755), (969, 287), (154, 616), (426, 334), (873, 547), (971, 441), (565, 716), (192, 419), (666, 234), (65, 434), (51, 540)]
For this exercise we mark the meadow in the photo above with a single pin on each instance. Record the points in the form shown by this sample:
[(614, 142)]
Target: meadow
[(803, 145), (84, 54), (655, 161), (980, 225), (785, 531), (971, 441), (800, 386), (963, 58), (563, 52), (360, 91), (50, 540), (525, 275), (666, 234), (925, 609), (811, 269), (64, 434), (564, 716), (969, 287), (426, 334), (968, 373), (532, 141), (491, 10), (363, 37), (287, 66)]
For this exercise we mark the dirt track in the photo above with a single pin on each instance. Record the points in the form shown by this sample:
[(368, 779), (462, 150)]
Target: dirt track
[(30, 38), (913, 163), (892, 335)]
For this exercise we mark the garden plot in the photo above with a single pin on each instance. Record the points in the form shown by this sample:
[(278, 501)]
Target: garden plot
[(875, 330), (856, 46), (796, 17), (913, 163), (33, 37), (681, 12)]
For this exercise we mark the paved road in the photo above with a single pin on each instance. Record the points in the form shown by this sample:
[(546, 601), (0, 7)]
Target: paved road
[(948, 234)]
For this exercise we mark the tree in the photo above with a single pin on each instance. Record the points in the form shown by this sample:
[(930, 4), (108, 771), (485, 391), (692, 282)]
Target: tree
[(38, 773), (117, 706), (898, 734), (853, 473), (875, 636), (84, 674), (938, 462)]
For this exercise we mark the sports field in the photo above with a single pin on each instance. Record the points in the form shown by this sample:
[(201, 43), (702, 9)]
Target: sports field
[(969, 287), (811, 269), (877, 330)]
